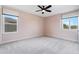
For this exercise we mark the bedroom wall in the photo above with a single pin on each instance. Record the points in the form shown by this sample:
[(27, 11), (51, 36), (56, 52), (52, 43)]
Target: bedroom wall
[(28, 26), (0, 24), (54, 29)]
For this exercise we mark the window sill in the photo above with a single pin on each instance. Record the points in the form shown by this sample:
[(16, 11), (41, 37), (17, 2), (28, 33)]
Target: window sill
[(10, 32)]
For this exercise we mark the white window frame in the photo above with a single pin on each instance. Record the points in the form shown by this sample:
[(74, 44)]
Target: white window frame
[(3, 25), (62, 25), (78, 23), (0, 24), (69, 25)]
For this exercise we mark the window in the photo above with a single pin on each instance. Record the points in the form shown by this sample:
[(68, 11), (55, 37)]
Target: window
[(70, 23), (74, 22), (10, 23), (65, 23)]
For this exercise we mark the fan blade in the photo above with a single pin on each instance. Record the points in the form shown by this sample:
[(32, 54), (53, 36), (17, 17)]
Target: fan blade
[(48, 7), (38, 10), (43, 7), (48, 10), (40, 6)]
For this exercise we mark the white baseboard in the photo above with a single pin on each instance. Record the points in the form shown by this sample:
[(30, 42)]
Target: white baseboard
[(10, 41), (61, 38)]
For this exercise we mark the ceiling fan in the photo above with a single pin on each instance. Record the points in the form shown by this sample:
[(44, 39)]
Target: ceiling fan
[(44, 8)]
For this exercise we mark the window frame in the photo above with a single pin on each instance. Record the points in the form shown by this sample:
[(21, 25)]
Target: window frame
[(78, 23), (3, 23), (70, 24), (62, 24)]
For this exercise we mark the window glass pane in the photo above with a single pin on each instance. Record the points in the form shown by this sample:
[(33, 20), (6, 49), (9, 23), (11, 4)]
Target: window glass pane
[(74, 22), (65, 23), (10, 23)]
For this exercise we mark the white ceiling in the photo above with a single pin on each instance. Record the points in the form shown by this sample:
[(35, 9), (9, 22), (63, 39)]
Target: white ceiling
[(56, 9)]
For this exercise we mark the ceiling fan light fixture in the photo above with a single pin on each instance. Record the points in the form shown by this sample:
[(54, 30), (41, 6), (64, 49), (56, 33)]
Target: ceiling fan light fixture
[(43, 10)]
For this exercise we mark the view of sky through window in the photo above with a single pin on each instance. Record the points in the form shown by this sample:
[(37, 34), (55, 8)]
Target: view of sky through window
[(71, 22)]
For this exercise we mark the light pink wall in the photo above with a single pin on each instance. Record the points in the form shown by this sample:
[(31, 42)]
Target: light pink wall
[(0, 25), (28, 26), (54, 29)]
